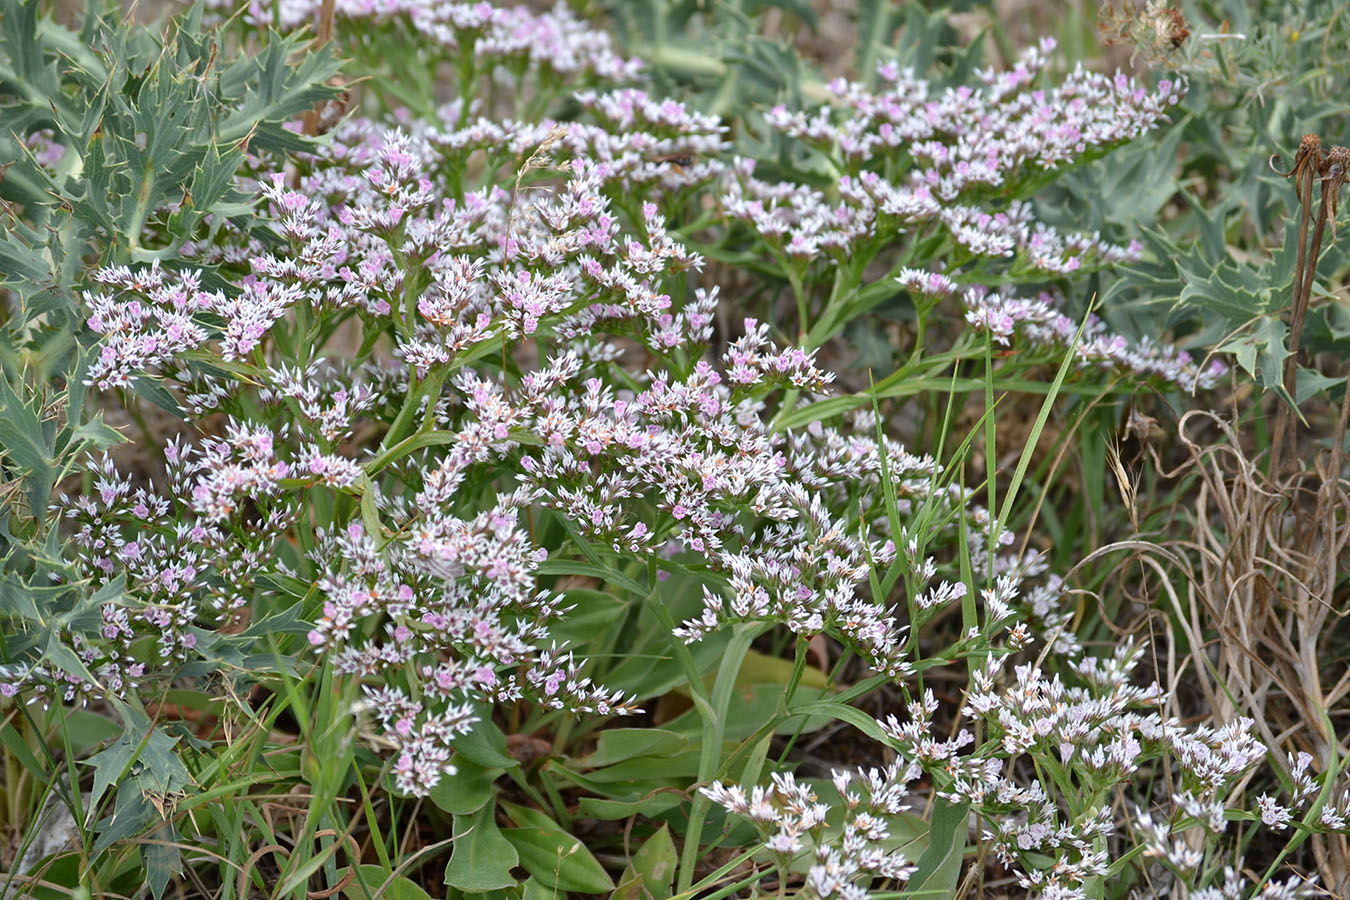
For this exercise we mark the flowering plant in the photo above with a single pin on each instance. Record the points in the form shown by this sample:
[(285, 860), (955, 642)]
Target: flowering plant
[(466, 471)]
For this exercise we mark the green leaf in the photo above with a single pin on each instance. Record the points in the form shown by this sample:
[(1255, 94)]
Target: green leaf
[(875, 26), (1310, 382), (1236, 294), (468, 789), (648, 671), (21, 263), (843, 712), (15, 744), (486, 745), (762, 668), (150, 758), (651, 874), (370, 878), (756, 705), (133, 814), (483, 858), (592, 616), (148, 389), (21, 440), (939, 868), (96, 432), (158, 768), (600, 572), (58, 654), (272, 89), (554, 856), (534, 889), (88, 729), (287, 621), (162, 859), (20, 601), (1262, 352), (650, 772), (610, 810), (619, 744)]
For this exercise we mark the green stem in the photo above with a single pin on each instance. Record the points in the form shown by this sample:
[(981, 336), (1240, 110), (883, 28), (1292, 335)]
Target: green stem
[(714, 726), (990, 453), (429, 388), (799, 292), (920, 332), (712, 707)]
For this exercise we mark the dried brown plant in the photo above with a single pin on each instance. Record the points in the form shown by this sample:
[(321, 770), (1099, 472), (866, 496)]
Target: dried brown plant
[(1310, 168), (1254, 591), (1253, 602)]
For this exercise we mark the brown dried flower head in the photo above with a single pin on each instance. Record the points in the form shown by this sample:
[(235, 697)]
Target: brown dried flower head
[(1169, 25), (1157, 30)]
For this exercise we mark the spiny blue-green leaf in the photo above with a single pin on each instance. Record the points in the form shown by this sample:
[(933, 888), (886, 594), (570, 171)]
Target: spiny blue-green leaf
[(1310, 382), (1227, 291), (96, 432), (55, 652), (148, 760), (111, 764), (875, 27), (133, 814), (1261, 352), (18, 601), (148, 389), (162, 859), (20, 431), (20, 262), (272, 89)]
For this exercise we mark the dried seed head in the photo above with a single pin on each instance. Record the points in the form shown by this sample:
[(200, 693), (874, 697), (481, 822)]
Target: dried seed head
[(1155, 30), (1169, 25), (1309, 154), (1336, 166), (1334, 170)]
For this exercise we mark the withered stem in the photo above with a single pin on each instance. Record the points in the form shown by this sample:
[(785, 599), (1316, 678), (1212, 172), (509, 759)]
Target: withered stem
[(1300, 310), (1307, 164), (1303, 185)]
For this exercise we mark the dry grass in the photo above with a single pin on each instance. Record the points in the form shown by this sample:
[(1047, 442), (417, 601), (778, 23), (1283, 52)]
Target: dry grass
[(1257, 623)]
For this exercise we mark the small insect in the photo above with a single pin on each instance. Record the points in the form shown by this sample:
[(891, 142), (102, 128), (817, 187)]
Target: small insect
[(328, 114), (678, 162)]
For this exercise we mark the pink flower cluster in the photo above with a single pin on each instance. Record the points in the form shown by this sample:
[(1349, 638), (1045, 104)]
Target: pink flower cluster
[(791, 818), (988, 136), (1041, 323), (460, 613), (167, 568), (555, 42), (952, 151), (916, 160), (155, 325)]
